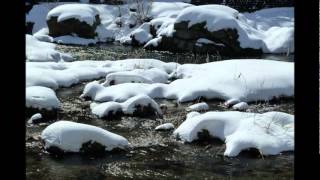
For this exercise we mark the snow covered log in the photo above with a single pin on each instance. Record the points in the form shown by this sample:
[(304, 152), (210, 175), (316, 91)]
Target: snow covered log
[(69, 136), (271, 133)]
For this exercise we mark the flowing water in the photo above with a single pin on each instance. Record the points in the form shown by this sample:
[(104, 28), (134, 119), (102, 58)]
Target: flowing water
[(154, 155)]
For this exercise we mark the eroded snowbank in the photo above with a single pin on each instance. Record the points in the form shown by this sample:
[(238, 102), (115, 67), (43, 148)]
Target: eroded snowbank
[(41, 98), (223, 80), (39, 51), (270, 133), (70, 136)]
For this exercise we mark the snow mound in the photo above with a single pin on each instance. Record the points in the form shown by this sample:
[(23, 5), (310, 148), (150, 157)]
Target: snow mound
[(271, 37), (142, 34), (240, 106), (270, 133), (34, 117), (67, 39), (166, 126), (198, 107), (70, 136), (134, 105), (149, 76), (41, 98), (43, 51), (227, 79), (83, 12)]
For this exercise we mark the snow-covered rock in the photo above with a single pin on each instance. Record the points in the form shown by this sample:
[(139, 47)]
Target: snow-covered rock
[(231, 102), (164, 127), (270, 133), (228, 31), (242, 106), (141, 35), (70, 136), (231, 79), (41, 98), (34, 117), (137, 105), (149, 76), (80, 19), (43, 51), (198, 107)]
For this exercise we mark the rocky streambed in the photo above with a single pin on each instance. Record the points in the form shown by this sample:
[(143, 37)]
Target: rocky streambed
[(154, 154)]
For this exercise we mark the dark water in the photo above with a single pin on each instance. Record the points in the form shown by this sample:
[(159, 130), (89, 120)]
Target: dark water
[(114, 51), (154, 155)]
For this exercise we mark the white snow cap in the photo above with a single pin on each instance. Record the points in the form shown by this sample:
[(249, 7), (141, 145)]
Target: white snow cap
[(149, 76), (198, 107), (271, 132), (127, 107), (69, 136), (82, 12), (166, 126), (275, 37), (240, 106), (41, 98), (34, 117)]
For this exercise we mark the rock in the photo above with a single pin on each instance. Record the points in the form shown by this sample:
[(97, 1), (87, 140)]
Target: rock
[(185, 39), (72, 24)]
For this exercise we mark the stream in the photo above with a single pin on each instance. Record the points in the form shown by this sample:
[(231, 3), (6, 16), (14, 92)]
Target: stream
[(154, 154)]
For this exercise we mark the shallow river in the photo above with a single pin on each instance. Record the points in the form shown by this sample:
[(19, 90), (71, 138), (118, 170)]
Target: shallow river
[(154, 155)]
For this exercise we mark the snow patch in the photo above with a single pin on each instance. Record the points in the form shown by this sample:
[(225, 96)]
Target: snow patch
[(70, 136), (270, 133)]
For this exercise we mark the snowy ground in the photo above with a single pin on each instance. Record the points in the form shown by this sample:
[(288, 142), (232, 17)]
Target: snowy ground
[(85, 91), (269, 29)]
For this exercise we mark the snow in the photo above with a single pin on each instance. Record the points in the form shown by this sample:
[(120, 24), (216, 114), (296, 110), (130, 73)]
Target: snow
[(231, 102), (34, 117), (148, 76), (43, 51), (142, 33), (201, 41), (192, 114), (83, 12), (271, 29), (227, 79), (69, 136), (240, 106), (41, 98), (198, 107), (270, 133), (128, 107), (166, 126), (274, 36)]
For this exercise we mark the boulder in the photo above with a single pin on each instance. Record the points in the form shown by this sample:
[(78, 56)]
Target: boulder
[(73, 19)]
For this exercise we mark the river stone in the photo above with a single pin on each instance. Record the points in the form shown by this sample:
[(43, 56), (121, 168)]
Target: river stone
[(72, 26), (185, 38)]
